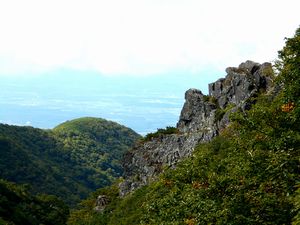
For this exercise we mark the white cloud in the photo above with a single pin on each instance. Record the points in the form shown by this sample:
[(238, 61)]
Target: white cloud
[(141, 37)]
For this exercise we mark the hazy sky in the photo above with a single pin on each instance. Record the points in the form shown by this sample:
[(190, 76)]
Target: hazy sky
[(141, 37)]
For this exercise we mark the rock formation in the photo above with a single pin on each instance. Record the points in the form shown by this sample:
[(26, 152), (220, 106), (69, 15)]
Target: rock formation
[(201, 119), (101, 203)]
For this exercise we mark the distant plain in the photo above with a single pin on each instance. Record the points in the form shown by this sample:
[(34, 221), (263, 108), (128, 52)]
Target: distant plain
[(143, 104)]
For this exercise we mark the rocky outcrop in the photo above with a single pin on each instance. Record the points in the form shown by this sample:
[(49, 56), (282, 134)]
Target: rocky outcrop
[(201, 119), (101, 202), (147, 159), (197, 114), (241, 83)]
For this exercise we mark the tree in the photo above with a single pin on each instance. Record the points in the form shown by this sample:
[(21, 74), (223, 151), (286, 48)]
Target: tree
[(288, 65)]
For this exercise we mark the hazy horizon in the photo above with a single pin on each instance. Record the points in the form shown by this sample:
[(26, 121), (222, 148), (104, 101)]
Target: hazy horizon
[(141, 104), (127, 61)]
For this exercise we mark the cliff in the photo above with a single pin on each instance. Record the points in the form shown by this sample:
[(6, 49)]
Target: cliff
[(201, 119)]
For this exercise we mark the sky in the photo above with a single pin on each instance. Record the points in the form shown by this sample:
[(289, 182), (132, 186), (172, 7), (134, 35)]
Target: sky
[(127, 60), (140, 37)]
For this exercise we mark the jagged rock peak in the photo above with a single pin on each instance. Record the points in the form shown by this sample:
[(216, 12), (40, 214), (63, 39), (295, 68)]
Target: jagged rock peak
[(196, 114), (191, 92), (246, 67), (201, 119), (241, 83)]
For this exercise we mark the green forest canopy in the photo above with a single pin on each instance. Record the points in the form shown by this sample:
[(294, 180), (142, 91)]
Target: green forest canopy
[(70, 161)]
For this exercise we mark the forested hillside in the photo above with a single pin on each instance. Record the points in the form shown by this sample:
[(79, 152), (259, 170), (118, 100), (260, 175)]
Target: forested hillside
[(18, 206), (70, 161), (249, 174)]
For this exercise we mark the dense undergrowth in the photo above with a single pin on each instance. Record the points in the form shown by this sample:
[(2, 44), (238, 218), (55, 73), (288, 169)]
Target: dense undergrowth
[(160, 132), (18, 206), (250, 174)]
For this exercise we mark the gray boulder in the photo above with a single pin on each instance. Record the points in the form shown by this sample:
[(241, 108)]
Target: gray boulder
[(101, 202)]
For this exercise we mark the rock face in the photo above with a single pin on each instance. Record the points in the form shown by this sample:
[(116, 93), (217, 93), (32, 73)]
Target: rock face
[(197, 114), (146, 160), (241, 83), (201, 119)]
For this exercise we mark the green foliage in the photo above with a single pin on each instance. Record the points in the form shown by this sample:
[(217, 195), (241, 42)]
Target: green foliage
[(74, 159), (85, 213), (160, 132), (221, 112), (211, 99), (18, 206), (132, 206), (296, 220), (97, 144), (127, 210), (289, 67)]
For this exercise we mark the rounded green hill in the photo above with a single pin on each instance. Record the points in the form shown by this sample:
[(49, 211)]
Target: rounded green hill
[(97, 128), (70, 161)]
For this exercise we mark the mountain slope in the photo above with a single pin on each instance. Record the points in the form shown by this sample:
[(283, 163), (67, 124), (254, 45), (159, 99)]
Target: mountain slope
[(18, 206), (96, 136), (248, 174), (69, 161)]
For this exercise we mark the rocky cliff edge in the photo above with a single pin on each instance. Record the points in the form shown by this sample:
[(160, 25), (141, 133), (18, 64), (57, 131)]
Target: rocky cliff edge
[(201, 119)]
